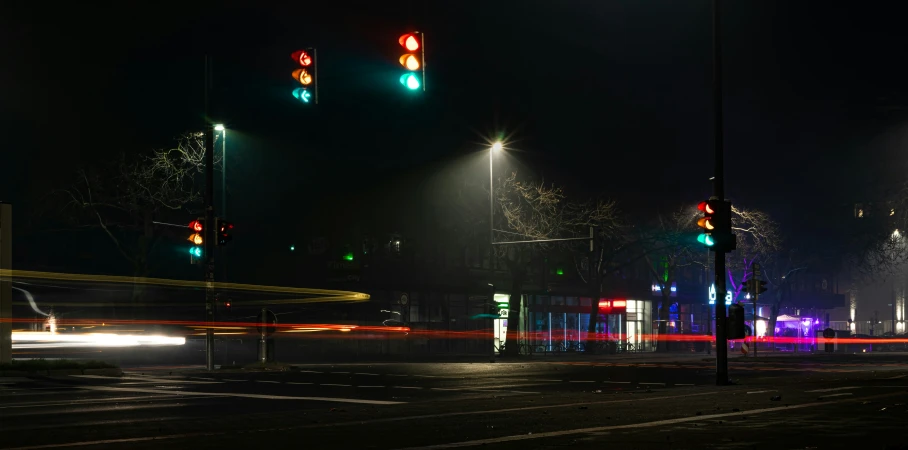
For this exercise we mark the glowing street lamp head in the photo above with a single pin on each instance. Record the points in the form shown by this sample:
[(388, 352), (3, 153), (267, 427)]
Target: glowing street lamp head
[(219, 127), (497, 146)]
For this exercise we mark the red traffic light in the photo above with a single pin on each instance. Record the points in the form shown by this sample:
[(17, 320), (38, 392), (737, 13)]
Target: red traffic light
[(196, 226), (410, 42), (706, 207), (302, 57)]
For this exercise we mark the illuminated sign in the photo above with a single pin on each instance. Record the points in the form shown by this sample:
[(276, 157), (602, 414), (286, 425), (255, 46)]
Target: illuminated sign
[(712, 295), (657, 288)]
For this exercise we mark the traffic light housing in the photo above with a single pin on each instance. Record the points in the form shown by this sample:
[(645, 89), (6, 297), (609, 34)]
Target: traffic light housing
[(196, 229), (759, 287), (225, 230), (735, 321), (306, 75), (707, 223), (413, 61)]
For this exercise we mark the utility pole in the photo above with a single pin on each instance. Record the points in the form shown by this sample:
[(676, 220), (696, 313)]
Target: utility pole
[(719, 192), (208, 230), (594, 281), (6, 283)]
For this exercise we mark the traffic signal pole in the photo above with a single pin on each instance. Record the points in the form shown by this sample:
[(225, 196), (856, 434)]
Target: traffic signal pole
[(719, 192), (209, 228)]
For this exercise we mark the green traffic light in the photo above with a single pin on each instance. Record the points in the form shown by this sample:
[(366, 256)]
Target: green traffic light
[(706, 240), (348, 256), (292, 248), (502, 306), (411, 81)]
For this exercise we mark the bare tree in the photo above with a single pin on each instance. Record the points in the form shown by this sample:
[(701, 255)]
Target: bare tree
[(530, 210), (125, 196), (672, 238), (758, 240)]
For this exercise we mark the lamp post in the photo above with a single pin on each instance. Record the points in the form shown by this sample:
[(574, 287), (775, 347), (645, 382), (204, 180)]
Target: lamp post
[(220, 127), (496, 147)]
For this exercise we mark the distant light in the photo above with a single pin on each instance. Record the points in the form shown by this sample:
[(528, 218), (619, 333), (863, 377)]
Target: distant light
[(292, 248), (349, 256), (219, 127), (496, 147), (559, 272)]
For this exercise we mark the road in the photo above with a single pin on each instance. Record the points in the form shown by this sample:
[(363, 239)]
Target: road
[(643, 402)]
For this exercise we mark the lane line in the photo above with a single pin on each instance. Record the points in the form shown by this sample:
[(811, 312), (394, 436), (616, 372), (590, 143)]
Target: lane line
[(89, 401), (239, 395), (137, 380), (395, 375), (836, 395), (657, 423), (309, 371), (231, 380), (834, 389), (268, 381), (761, 392), (662, 384), (549, 380)]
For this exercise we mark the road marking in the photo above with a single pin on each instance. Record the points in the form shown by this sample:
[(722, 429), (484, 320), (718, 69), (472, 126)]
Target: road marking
[(761, 392), (657, 423), (835, 395), (833, 389), (395, 375), (663, 384), (141, 380), (576, 381), (684, 384), (617, 382), (426, 376), (228, 379), (309, 371), (268, 381), (362, 373), (338, 372), (333, 384), (550, 380), (239, 395), (92, 400), (359, 422)]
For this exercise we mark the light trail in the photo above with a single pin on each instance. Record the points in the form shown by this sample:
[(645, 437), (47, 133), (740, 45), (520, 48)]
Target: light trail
[(32, 339)]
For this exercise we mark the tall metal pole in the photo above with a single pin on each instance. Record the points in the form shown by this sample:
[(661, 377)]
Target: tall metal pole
[(224, 194), (719, 192), (208, 231), (492, 249)]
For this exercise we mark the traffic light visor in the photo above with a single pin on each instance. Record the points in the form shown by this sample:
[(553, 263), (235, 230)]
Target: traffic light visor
[(303, 76), (302, 57), (706, 222), (411, 62), (409, 42)]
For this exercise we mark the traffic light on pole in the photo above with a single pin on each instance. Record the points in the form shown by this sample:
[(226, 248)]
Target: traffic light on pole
[(306, 74), (225, 230), (759, 287), (414, 61), (195, 252), (707, 222)]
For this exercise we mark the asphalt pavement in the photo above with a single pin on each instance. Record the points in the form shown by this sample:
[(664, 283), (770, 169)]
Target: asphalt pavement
[(641, 402)]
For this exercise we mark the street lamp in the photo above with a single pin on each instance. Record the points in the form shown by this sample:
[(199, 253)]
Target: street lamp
[(496, 147), (220, 127)]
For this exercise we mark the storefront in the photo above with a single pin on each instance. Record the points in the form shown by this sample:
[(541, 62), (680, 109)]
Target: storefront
[(560, 323)]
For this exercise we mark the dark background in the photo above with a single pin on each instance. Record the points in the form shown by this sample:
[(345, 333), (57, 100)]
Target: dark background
[(608, 98)]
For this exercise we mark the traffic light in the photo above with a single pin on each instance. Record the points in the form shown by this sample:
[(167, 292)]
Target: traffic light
[(707, 222), (306, 74), (414, 61), (759, 287), (225, 229), (195, 252), (747, 287), (735, 321)]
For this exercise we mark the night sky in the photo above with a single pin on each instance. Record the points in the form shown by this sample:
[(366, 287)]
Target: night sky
[(609, 98)]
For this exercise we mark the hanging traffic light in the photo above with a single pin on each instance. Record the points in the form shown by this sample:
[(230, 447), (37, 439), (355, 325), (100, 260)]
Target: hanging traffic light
[(306, 74), (225, 229), (707, 222), (414, 60)]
